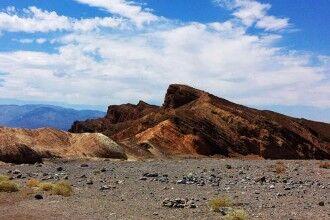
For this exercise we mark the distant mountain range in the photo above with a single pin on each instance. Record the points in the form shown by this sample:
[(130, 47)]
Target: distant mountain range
[(38, 116)]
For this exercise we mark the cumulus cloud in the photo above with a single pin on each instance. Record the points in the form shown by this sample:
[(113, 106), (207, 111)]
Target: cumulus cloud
[(101, 67), (251, 12), (33, 19), (127, 9)]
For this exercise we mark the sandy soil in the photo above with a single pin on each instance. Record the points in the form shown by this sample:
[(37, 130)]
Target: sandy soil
[(136, 190)]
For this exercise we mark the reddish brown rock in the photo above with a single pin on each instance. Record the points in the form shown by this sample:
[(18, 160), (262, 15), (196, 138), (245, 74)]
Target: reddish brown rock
[(194, 122)]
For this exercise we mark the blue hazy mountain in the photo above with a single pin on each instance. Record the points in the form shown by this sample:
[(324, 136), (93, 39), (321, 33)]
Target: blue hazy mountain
[(38, 116)]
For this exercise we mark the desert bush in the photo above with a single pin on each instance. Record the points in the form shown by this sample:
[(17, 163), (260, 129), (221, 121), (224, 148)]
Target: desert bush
[(62, 188), (219, 202), (236, 214), (3, 178), (280, 167), (33, 183), (8, 186), (46, 186), (325, 165)]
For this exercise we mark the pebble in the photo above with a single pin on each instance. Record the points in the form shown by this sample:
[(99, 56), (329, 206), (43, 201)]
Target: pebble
[(16, 172), (38, 196), (89, 182)]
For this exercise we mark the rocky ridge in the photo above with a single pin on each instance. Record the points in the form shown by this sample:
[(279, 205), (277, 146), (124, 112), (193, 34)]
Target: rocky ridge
[(195, 123)]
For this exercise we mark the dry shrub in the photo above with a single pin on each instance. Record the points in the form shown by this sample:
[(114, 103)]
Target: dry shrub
[(33, 183), (3, 178), (46, 186), (62, 188), (280, 167), (219, 202), (236, 214), (325, 165), (8, 186)]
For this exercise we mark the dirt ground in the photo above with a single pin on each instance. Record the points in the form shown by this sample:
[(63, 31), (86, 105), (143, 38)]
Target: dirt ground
[(147, 189)]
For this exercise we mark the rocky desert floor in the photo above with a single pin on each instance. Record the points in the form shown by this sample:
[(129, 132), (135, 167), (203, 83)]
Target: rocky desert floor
[(170, 189)]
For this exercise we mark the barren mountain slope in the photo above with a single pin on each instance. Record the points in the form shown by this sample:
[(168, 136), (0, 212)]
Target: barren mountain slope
[(31, 145), (194, 122)]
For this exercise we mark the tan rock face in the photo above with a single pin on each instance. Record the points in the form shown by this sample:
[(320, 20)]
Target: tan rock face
[(194, 122), (30, 145)]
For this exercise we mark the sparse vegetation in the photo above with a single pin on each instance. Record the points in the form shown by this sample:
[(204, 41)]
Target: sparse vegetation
[(280, 167), (325, 165), (8, 186), (33, 183), (62, 188), (3, 178), (219, 202), (236, 214), (46, 186)]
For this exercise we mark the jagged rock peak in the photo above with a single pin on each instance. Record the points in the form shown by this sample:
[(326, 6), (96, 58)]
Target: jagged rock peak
[(178, 95)]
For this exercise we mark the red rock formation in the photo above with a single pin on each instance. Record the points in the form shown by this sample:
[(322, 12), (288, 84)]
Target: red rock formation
[(194, 122)]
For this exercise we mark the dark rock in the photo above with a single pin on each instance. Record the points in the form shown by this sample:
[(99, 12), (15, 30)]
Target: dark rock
[(321, 203), (38, 196), (59, 169)]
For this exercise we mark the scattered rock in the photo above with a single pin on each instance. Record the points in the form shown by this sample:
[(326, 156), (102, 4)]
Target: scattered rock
[(225, 210), (38, 196)]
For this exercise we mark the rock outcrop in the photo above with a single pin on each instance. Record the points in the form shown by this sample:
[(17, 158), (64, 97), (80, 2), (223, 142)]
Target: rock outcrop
[(193, 122), (31, 145)]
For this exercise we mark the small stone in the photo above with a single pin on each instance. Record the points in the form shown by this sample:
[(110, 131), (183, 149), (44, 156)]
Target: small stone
[(83, 176), (84, 165), (181, 181), (321, 203), (225, 210), (38, 196), (103, 170), (89, 182), (59, 169), (105, 187), (228, 166), (150, 174), (143, 178), (16, 172), (271, 187)]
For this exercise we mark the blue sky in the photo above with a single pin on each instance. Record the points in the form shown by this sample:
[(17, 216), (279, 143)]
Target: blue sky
[(271, 54)]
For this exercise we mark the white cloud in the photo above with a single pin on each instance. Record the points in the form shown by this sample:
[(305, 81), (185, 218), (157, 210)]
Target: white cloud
[(33, 20), (125, 9), (251, 12), (127, 64), (41, 40), (25, 41)]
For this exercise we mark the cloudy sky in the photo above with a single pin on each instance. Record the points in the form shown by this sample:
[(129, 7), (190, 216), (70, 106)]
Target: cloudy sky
[(271, 54)]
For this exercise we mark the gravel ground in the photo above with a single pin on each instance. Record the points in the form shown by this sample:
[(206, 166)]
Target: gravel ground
[(170, 189)]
